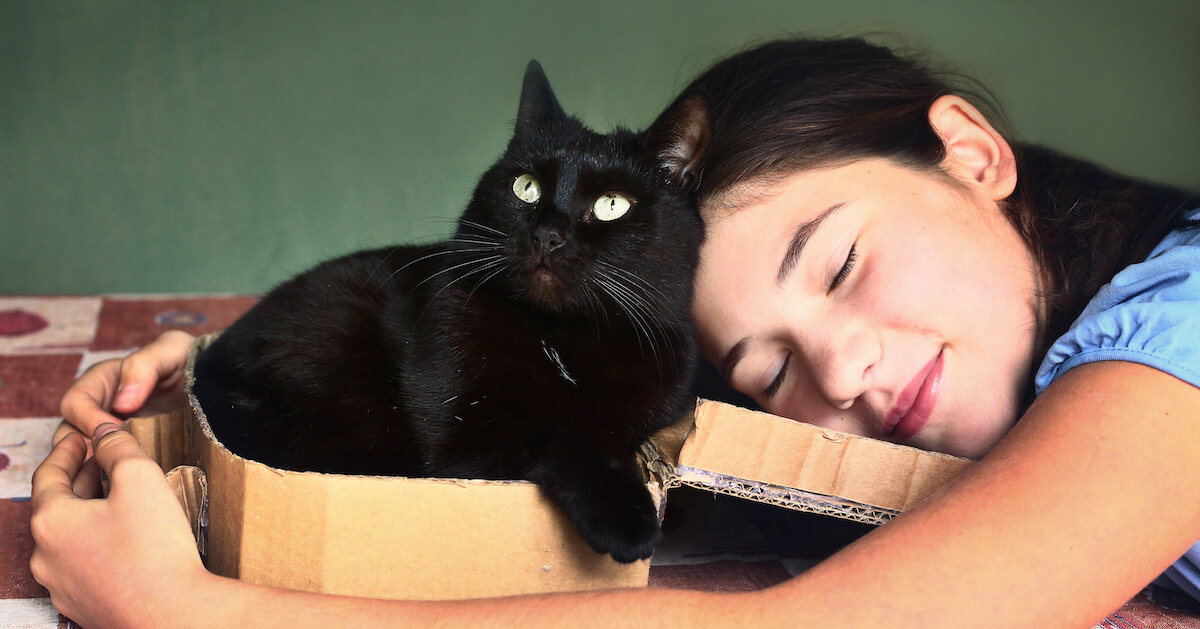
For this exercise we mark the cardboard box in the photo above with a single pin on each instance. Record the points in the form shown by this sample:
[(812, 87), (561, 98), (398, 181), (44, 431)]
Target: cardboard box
[(394, 537)]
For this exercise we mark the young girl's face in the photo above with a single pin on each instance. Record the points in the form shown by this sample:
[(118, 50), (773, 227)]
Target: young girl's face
[(871, 299)]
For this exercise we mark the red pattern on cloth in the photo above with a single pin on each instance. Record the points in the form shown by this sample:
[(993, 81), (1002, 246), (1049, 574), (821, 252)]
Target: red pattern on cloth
[(16, 547), (32, 385), (131, 322), (18, 322)]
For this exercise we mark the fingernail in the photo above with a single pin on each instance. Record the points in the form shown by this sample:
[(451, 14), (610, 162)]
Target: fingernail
[(104, 429), (124, 392)]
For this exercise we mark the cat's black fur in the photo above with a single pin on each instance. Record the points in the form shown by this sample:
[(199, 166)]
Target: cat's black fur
[(538, 343)]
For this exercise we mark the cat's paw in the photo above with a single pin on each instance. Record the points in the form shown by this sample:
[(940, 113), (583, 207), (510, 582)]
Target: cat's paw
[(624, 525)]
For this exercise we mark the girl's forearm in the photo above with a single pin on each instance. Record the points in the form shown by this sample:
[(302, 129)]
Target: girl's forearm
[(229, 603)]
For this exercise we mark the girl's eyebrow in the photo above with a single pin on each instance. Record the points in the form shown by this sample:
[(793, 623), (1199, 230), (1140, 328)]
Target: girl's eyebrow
[(799, 239), (732, 358)]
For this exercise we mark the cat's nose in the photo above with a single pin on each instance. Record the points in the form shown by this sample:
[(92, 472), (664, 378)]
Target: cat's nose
[(547, 238)]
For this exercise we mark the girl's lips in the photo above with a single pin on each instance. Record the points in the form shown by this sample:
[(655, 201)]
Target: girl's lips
[(916, 402)]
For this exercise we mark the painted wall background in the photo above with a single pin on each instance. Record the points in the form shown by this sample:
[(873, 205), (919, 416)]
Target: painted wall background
[(222, 146)]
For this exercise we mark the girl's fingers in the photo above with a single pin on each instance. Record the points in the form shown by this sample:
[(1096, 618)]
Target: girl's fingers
[(122, 459), (84, 404), (53, 479), (125, 385), (87, 482), (63, 430), (157, 366)]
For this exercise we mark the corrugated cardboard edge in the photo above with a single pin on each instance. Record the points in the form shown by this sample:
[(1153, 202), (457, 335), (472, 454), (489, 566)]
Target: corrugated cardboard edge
[(772, 459), (191, 488), (370, 536)]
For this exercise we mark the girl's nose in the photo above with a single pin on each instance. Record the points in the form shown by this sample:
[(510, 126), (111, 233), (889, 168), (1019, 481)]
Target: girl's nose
[(843, 360)]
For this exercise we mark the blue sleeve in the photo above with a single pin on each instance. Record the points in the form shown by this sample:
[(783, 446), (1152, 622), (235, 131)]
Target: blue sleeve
[(1149, 313)]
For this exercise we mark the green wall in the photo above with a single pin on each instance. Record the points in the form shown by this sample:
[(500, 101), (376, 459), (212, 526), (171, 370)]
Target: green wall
[(221, 146)]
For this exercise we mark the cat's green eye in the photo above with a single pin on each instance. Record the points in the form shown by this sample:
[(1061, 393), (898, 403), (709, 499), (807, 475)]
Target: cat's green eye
[(611, 206), (527, 189)]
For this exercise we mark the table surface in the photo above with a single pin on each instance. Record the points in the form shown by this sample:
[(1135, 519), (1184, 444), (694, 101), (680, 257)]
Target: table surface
[(711, 542)]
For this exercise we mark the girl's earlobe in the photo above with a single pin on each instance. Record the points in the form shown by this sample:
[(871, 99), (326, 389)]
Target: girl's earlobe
[(975, 151)]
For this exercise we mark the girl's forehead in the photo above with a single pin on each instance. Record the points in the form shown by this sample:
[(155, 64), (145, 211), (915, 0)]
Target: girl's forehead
[(760, 208), (818, 184)]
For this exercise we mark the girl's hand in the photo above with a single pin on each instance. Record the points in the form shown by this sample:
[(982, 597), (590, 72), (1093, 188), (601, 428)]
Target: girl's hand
[(109, 561), (146, 382)]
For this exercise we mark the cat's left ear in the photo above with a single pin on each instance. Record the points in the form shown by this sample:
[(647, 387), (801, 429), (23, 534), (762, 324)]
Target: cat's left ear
[(679, 139), (538, 104)]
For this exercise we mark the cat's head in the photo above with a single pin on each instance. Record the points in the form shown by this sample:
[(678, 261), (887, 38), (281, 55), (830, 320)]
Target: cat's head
[(572, 222)]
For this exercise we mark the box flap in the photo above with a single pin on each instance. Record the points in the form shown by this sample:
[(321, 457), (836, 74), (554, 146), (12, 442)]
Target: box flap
[(773, 459), (191, 489)]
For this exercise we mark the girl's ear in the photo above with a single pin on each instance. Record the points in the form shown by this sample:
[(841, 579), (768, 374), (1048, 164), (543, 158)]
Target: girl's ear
[(974, 150)]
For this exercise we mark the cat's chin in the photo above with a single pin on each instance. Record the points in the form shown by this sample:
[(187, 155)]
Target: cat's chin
[(544, 290)]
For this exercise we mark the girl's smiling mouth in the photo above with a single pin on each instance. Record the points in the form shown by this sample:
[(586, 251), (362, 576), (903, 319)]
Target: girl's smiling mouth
[(916, 402)]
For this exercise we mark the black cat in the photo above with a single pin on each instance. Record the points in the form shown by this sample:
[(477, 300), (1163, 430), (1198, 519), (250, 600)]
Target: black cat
[(546, 340)]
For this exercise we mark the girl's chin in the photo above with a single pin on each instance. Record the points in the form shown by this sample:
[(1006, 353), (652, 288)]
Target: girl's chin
[(971, 448)]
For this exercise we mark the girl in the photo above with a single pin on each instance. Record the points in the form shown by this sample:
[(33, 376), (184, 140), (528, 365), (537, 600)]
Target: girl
[(880, 259)]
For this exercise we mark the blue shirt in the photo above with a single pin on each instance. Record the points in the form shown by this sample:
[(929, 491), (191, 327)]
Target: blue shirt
[(1149, 313)]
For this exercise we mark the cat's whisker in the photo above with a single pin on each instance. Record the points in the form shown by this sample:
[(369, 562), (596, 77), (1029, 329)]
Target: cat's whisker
[(662, 301), (485, 280), (665, 299), (658, 308), (630, 274), (485, 263), (607, 289), (422, 259), (446, 270), (655, 318), (482, 226), (483, 243), (479, 239), (501, 266), (381, 263), (597, 307), (635, 312)]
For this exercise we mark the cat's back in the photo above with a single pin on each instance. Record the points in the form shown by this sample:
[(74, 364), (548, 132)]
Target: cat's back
[(335, 302), (320, 348)]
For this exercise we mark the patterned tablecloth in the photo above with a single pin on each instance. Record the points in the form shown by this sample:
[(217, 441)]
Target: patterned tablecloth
[(711, 543)]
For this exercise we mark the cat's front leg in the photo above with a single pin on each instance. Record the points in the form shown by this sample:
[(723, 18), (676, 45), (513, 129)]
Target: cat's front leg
[(606, 499)]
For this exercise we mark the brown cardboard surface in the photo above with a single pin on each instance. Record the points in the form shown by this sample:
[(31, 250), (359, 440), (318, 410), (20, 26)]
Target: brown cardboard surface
[(805, 467), (396, 537), (162, 437), (384, 537)]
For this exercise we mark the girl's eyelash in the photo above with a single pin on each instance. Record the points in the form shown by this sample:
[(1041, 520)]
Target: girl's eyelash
[(845, 271), (774, 386)]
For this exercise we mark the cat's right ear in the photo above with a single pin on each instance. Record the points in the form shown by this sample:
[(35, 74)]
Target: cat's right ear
[(679, 139), (538, 104)]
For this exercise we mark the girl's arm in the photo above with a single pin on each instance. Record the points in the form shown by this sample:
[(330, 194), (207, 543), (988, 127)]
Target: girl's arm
[(1094, 493)]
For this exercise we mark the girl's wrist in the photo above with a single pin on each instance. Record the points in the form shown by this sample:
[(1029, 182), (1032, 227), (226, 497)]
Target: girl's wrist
[(201, 599)]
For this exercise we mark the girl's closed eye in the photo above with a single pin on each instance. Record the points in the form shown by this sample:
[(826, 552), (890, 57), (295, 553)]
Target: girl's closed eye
[(773, 387), (846, 267)]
